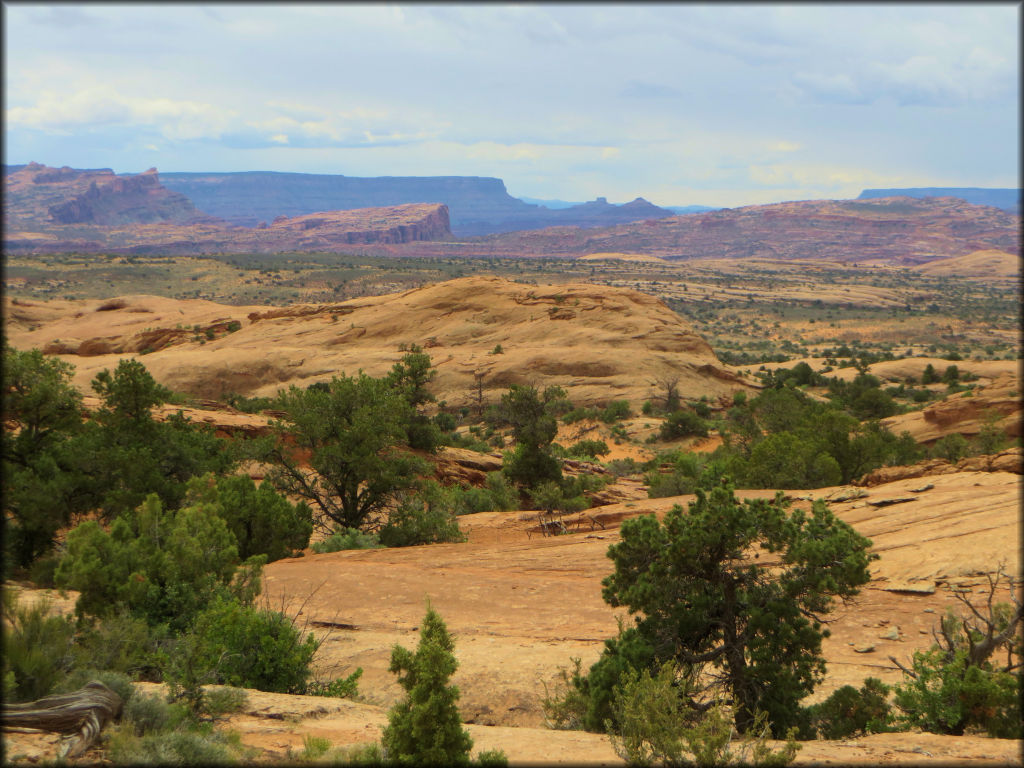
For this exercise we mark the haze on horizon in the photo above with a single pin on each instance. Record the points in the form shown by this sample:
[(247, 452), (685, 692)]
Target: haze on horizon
[(681, 104)]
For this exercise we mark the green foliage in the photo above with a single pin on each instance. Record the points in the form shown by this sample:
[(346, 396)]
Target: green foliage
[(247, 647), (656, 726), (551, 496), (147, 713), (351, 435), (347, 538), (164, 566), (958, 683), (851, 712), (683, 424), (944, 695), (952, 448), (784, 460), (263, 521), (38, 651), (423, 517), (339, 688), (124, 643), (763, 630), (39, 495), (174, 747), (616, 410), (991, 438), (781, 438), (929, 376), (502, 495), (588, 449), (566, 706), (534, 428), (127, 455), (409, 377), (425, 727)]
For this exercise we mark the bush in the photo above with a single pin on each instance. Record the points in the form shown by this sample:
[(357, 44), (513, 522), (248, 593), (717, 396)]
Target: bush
[(37, 648), (656, 726), (147, 713), (952, 448), (588, 449), (949, 696), (958, 684), (123, 643), (339, 688), (176, 747), (347, 538), (425, 727), (424, 518), (262, 520), (248, 647), (163, 566), (683, 424), (616, 410), (851, 712)]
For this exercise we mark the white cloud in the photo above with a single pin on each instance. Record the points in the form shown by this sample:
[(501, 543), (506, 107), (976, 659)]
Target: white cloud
[(102, 105)]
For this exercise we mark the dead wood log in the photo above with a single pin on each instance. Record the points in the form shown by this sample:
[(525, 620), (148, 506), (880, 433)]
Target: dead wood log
[(81, 714)]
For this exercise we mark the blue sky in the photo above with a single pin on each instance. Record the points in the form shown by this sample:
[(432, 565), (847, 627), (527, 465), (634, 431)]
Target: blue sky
[(682, 104)]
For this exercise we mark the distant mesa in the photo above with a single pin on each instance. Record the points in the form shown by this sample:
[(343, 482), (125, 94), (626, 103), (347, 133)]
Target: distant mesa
[(477, 205), (61, 209), (1007, 199)]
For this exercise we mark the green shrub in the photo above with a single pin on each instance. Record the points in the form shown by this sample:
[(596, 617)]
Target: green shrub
[(263, 521), (123, 643), (503, 495), (147, 713), (578, 414), (683, 424), (950, 696), (588, 449), (655, 725), (38, 648), (164, 566), (347, 538), (177, 747), (425, 727), (339, 688), (851, 712), (248, 647), (426, 517), (952, 448), (566, 707), (616, 410), (622, 467)]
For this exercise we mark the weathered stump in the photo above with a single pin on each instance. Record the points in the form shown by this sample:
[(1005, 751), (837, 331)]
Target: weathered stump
[(81, 714)]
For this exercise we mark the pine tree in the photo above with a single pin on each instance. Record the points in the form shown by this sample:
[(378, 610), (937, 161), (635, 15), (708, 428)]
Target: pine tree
[(425, 728)]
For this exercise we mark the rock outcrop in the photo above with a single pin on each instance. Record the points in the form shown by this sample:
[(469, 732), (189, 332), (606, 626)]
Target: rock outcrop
[(602, 343)]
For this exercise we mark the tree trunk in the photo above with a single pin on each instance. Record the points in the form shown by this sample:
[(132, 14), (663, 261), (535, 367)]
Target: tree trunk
[(82, 714)]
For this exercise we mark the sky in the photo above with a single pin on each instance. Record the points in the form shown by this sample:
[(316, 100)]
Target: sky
[(682, 104)]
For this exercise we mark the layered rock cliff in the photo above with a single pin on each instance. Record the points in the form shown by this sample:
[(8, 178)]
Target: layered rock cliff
[(477, 205)]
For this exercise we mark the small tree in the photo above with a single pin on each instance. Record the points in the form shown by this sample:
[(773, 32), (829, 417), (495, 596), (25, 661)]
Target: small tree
[(425, 728), (534, 429), (164, 566), (352, 435), (40, 489), (701, 598), (410, 377)]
